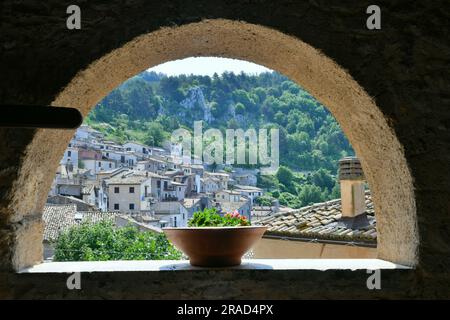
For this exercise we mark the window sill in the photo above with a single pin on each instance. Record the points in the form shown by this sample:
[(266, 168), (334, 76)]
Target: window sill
[(183, 265)]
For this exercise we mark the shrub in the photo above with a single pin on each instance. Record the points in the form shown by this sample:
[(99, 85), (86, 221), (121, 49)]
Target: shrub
[(103, 241), (210, 218)]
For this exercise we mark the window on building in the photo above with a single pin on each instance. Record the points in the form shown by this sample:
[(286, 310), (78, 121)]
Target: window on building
[(158, 184), (99, 164), (116, 206), (110, 165), (116, 190), (131, 189), (69, 153), (131, 206), (175, 222)]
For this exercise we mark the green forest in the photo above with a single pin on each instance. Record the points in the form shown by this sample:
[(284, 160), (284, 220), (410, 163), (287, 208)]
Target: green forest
[(149, 106)]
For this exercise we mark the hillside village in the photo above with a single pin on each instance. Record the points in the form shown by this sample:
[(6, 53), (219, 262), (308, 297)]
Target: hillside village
[(148, 184), (152, 188)]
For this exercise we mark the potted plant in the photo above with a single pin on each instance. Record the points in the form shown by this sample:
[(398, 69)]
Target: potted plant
[(212, 240)]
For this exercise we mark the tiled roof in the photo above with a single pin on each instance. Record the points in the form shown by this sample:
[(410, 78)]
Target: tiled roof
[(322, 221), (247, 188), (59, 218), (130, 178)]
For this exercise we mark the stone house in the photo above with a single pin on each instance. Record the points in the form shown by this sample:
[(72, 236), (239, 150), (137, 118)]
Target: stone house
[(70, 159), (227, 195), (245, 178), (141, 150), (170, 213), (129, 192), (221, 177), (98, 165), (249, 191), (121, 158), (210, 185), (152, 164)]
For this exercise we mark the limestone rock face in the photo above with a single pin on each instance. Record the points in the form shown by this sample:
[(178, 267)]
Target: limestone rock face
[(196, 100)]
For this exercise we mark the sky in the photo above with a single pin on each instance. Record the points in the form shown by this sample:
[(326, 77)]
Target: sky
[(207, 66)]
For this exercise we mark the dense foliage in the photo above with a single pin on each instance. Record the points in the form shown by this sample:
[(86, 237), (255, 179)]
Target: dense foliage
[(210, 218), (150, 106), (103, 241)]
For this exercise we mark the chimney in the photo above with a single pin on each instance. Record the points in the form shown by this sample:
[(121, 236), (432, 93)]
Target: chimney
[(352, 179)]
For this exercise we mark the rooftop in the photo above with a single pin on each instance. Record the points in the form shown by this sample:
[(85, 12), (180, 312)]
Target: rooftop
[(247, 188), (322, 221), (59, 218), (132, 177)]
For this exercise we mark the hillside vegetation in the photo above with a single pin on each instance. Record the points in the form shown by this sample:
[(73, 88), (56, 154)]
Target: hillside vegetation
[(149, 106)]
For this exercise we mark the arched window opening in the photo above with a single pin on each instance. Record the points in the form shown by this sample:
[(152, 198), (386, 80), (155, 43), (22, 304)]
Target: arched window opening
[(309, 188)]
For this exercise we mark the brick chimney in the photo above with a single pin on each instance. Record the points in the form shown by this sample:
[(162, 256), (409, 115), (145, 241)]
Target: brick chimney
[(352, 179)]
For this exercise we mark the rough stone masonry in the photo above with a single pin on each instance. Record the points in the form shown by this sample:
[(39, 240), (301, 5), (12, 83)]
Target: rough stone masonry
[(403, 67)]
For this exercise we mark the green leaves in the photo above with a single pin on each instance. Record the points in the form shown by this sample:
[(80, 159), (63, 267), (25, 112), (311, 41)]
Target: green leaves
[(210, 218), (103, 241)]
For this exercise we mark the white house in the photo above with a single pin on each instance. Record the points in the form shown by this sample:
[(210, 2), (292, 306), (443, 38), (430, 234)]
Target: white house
[(86, 133), (222, 178), (141, 150), (70, 159), (245, 178), (98, 165), (129, 193), (173, 191), (123, 158), (209, 185), (249, 191), (152, 164), (228, 196), (172, 212)]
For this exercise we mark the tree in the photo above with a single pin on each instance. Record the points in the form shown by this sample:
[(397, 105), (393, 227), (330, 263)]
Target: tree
[(310, 194), (103, 241), (284, 175), (239, 108), (323, 179), (150, 106), (155, 134), (264, 201)]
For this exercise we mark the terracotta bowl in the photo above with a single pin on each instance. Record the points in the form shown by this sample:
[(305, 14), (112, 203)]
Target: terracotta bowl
[(215, 246)]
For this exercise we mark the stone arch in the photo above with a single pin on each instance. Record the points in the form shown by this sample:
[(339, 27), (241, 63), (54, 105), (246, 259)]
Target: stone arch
[(366, 127)]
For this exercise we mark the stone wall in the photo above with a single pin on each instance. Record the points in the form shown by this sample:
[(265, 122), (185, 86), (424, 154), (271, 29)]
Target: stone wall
[(403, 67)]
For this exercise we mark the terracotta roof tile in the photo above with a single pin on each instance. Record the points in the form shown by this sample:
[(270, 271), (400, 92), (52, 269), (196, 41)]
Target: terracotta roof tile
[(321, 221), (59, 218)]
